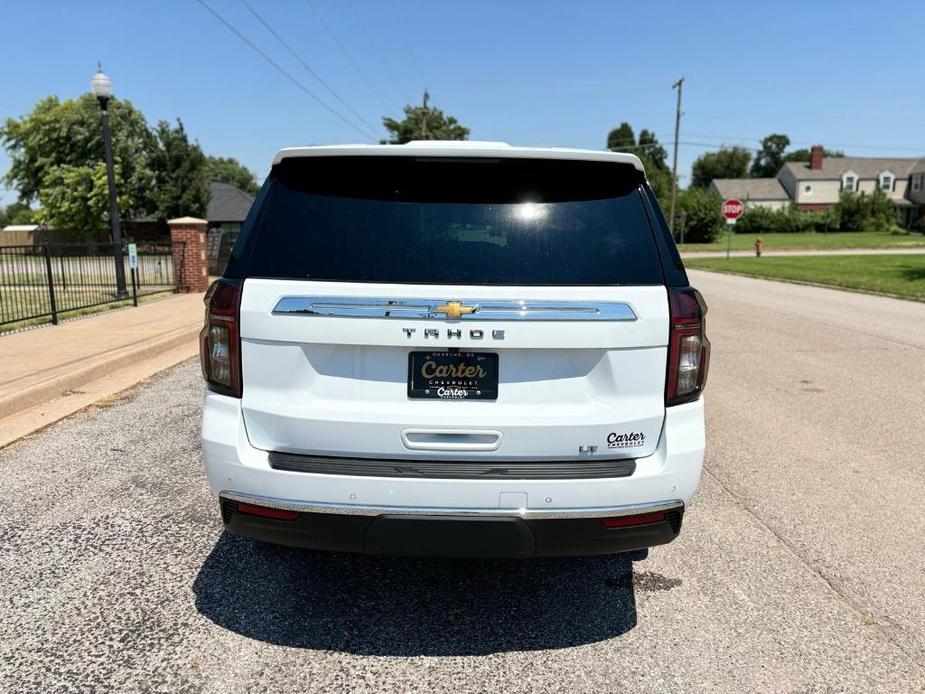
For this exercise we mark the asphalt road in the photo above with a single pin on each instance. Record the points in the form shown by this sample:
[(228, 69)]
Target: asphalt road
[(800, 568)]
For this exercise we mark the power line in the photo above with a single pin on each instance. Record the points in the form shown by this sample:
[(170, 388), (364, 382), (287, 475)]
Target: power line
[(713, 145), (281, 70), (807, 142), (724, 139), (385, 62), (723, 145), (410, 47), (308, 69), (346, 54)]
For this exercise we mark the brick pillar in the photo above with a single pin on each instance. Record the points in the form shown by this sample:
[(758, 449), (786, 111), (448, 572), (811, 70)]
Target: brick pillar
[(188, 240)]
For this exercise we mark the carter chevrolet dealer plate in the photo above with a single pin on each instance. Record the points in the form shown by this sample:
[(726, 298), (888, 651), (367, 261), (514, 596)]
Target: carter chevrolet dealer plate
[(453, 375)]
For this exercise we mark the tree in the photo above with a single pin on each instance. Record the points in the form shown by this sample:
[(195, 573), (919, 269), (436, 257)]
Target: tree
[(653, 150), (770, 156), (699, 212), (621, 138), (56, 154), (803, 155), (230, 170), (650, 152), (727, 162), (68, 134), (179, 168), (439, 126), (75, 199), (16, 213)]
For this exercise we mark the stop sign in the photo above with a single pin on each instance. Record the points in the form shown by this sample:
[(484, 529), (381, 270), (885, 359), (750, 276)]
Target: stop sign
[(733, 209)]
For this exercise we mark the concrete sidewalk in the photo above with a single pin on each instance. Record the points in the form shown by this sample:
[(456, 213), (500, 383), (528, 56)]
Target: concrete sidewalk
[(50, 372)]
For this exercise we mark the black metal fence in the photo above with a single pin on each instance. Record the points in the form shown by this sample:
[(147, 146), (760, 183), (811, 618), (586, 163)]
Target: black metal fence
[(40, 282)]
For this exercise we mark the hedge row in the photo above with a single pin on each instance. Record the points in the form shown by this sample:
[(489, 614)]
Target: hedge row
[(761, 220)]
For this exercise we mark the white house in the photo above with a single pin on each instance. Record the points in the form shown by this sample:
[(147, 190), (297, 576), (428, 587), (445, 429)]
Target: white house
[(816, 185)]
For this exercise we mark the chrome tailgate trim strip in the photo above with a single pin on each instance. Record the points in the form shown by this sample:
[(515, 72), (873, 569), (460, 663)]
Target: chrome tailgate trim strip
[(473, 310)]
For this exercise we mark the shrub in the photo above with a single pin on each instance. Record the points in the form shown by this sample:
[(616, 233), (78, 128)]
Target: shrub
[(761, 220), (828, 220), (852, 211), (699, 214), (862, 212), (882, 214), (796, 221), (757, 220)]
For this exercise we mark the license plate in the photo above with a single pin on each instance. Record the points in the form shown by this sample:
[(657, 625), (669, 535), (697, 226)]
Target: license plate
[(453, 375)]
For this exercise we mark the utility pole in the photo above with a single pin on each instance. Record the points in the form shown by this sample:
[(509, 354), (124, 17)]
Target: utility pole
[(674, 166), (424, 114)]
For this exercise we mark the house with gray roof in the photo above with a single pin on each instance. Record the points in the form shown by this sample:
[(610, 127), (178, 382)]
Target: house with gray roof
[(227, 209), (817, 184), (916, 193), (754, 192), (228, 205)]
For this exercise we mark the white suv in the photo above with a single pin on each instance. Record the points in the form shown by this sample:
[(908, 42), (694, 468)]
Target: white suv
[(454, 349)]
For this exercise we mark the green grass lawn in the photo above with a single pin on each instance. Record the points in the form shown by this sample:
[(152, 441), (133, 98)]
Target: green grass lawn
[(899, 275), (840, 239)]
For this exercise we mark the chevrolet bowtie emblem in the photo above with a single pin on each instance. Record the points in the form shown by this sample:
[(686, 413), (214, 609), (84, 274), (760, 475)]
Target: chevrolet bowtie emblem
[(454, 309)]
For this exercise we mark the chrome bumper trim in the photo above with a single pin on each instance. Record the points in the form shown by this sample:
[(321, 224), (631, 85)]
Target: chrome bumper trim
[(472, 310), (529, 513)]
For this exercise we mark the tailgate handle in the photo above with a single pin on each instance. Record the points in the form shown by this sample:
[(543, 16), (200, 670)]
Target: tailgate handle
[(451, 439)]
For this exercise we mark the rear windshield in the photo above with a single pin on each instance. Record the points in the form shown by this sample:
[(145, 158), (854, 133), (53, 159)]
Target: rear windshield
[(450, 221)]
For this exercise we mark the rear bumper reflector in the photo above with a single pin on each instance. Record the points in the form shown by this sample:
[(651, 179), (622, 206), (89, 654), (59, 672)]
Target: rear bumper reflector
[(265, 512), (626, 521)]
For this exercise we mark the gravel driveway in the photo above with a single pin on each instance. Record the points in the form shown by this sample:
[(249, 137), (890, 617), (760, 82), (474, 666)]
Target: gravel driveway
[(115, 576)]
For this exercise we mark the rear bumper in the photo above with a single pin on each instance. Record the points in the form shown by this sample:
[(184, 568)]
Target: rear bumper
[(451, 535), (238, 471)]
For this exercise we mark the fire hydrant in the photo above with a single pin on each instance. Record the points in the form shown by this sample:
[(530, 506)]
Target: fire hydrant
[(759, 243)]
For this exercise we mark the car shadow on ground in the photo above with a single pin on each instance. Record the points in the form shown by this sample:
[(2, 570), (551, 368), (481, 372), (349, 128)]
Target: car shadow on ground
[(407, 607)]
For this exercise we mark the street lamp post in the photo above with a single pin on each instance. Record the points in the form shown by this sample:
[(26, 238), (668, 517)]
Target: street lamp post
[(102, 89)]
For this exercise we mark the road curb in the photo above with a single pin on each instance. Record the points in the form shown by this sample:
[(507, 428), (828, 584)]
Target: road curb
[(837, 287), (61, 379), (114, 386)]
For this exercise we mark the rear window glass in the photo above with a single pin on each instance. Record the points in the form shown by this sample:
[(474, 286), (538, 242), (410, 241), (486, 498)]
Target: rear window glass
[(428, 220)]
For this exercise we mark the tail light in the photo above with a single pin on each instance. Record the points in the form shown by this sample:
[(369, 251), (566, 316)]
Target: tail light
[(220, 338), (688, 347)]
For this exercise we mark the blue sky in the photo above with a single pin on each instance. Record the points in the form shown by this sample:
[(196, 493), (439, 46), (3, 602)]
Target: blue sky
[(844, 74)]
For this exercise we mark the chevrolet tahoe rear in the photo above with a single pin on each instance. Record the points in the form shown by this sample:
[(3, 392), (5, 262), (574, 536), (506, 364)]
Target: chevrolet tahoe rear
[(454, 349)]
